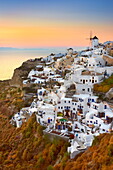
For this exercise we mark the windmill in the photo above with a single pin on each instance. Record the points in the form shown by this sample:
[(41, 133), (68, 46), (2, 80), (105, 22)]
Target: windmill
[(90, 39)]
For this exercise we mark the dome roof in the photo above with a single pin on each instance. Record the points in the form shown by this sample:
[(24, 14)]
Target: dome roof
[(95, 38)]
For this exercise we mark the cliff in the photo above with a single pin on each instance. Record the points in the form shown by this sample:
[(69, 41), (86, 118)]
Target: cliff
[(28, 148), (103, 88), (98, 157), (21, 73)]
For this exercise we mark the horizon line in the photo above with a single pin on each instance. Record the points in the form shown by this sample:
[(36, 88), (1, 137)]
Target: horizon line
[(42, 47)]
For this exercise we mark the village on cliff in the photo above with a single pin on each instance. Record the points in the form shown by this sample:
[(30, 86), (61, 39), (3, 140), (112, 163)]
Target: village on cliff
[(68, 108)]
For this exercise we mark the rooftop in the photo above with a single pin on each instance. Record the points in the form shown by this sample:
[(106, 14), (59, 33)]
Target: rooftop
[(95, 37), (83, 96)]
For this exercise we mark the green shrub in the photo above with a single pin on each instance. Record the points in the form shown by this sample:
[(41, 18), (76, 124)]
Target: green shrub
[(40, 130), (95, 141), (50, 167), (27, 135), (40, 162), (110, 150)]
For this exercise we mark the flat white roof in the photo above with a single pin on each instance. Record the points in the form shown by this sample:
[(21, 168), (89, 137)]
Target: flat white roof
[(105, 126), (47, 106), (65, 98), (83, 96), (97, 104), (109, 113), (93, 96), (39, 66)]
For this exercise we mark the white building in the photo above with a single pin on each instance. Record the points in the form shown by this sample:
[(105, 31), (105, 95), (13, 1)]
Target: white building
[(46, 114), (78, 104), (83, 89), (40, 93), (69, 51), (95, 61), (100, 115), (87, 77)]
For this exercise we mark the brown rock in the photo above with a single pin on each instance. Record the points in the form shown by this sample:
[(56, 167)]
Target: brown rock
[(21, 73), (109, 94)]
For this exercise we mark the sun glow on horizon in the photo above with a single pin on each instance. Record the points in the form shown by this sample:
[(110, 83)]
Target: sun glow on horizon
[(54, 23), (50, 35)]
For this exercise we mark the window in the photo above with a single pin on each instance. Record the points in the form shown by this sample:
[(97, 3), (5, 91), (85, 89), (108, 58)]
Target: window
[(72, 103), (88, 89), (81, 100), (81, 80), (75, 103), (89, 64), (68, 101), (64, 101), (88, 100), (86, 80), (90, 121), (73, 108), (83, 89), (58, 107), (61, 107), (105, 106), (95, 80)]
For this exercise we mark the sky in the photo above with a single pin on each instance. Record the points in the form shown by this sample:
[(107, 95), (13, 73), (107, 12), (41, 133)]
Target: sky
[(53, 23)]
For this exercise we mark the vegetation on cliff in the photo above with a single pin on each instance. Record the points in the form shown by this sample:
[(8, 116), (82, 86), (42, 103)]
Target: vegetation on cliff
[(104, 86), (28, 147), (97, 157)]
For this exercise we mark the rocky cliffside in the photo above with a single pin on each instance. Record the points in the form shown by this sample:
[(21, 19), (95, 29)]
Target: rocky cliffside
[(21, 73), (109, 94)]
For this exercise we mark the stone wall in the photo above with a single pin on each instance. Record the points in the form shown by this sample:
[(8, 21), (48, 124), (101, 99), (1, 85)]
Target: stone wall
[(53, 136)]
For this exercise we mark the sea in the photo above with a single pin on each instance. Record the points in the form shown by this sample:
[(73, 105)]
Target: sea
[(11, 58)]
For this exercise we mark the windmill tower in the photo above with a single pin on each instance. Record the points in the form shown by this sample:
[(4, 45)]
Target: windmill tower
[(95, 42)]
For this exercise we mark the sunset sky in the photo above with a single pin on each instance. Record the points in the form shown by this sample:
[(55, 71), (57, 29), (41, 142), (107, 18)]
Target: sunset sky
[(50, 23)]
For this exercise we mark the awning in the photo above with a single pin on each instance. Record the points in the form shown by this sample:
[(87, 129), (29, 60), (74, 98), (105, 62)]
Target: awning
[(63, 120)]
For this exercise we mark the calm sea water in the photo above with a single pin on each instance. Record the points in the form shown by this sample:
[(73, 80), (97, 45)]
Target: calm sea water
[(13, 58)]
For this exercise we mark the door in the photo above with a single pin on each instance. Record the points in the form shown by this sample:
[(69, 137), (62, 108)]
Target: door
[(83, 81)]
